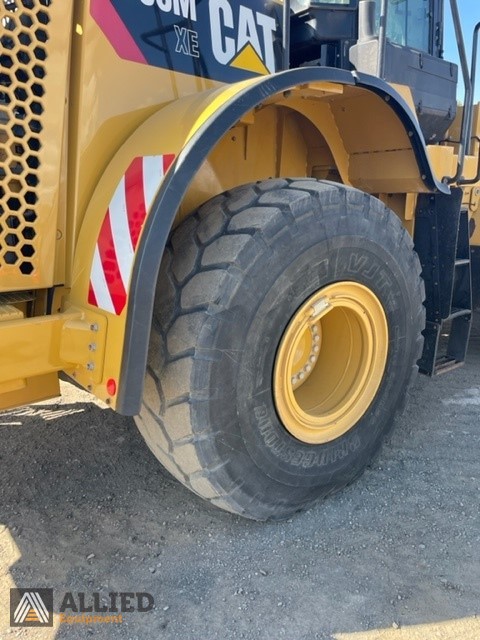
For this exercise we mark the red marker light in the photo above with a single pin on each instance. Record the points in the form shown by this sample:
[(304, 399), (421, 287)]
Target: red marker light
[(111, 387)]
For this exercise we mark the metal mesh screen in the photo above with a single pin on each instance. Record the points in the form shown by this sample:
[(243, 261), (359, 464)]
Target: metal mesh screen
[(24, 36)]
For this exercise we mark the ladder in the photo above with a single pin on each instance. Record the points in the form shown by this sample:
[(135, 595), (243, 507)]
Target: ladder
[(442, 241)]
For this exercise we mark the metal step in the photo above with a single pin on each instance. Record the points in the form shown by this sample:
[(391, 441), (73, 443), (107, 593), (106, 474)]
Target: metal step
[(457, 313), (15, 297), (445, 364), (9, 312)]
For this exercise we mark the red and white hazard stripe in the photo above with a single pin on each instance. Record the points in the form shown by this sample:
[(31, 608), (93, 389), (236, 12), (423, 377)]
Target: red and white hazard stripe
[(120, 231)]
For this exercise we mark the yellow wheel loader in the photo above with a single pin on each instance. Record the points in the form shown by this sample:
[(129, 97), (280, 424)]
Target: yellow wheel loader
[(246, 223)]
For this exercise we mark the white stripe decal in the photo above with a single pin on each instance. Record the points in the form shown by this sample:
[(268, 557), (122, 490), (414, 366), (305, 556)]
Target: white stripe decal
[(21, 611), (121, 233), (41, 611), (152, 177), (99, 284)]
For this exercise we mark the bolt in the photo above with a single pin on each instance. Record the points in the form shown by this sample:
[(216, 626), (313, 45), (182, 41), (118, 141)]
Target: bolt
[(89, 387), (92, 346), (316, 348), (308, 368), (312, 359), (90, 366), (94, 327)]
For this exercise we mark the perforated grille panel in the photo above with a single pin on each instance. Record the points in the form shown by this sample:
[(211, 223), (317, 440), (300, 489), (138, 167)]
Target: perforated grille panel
[(23, 54)]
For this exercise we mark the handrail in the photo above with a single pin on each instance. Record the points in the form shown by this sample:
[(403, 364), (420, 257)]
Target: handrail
[(286, 35), (382, 38), (473, 72), (466, 126)]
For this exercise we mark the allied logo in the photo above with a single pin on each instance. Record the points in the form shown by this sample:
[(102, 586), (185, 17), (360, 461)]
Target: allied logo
[(31, 607)]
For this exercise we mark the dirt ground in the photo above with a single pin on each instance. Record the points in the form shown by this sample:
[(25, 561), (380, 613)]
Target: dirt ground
[(85, 507)]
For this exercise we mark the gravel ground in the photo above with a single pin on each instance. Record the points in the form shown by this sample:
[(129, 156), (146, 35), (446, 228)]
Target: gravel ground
[(85, 507)]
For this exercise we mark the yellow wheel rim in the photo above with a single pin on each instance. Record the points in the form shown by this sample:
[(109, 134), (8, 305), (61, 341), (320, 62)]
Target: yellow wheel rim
[(330, 362)]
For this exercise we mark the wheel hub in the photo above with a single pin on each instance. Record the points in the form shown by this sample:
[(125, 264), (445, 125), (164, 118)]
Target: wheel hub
[(330, 362)]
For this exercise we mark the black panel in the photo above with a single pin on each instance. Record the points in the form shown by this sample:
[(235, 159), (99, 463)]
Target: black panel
[(198, 37), (433, 82), (324, 34)]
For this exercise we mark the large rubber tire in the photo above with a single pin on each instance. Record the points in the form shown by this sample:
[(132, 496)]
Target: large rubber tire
[(231, 278)]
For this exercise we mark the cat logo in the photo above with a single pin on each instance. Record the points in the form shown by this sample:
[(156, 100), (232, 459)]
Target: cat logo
[(31, 607), (242, 38)]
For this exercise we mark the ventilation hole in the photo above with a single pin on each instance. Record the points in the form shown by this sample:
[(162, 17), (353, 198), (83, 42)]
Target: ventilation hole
[(11, 257), (21, 75), (27, 251), (37, 90), (40, 53), (11, 240), (29, 215), (21, 94), (26, 20), (25, 39), (13, 222), (14, 204), (18, 131), (28, 233), (7, 61), (34, 144), (31, 197), (41, 35), (9, 24), (20, 113), (17, 149), (36, 108), (5, 80), (35, 126), (26, 268), (33, 162), (23, 57), (38, 71), (43, 17), (7, 42)]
